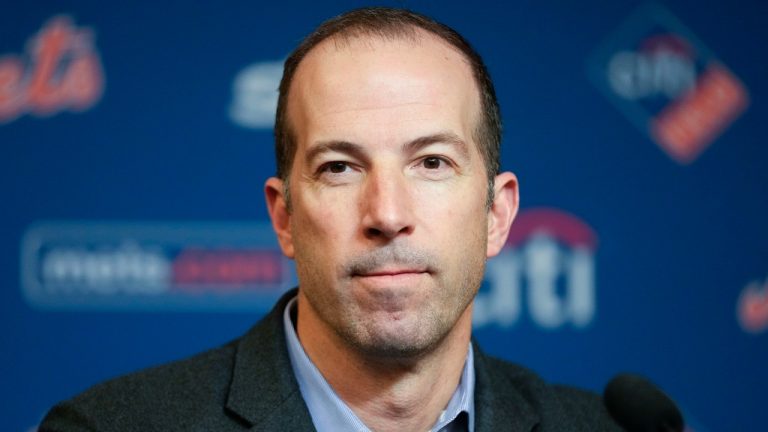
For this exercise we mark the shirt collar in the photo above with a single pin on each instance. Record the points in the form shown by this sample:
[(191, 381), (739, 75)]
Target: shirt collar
[(330, 413)]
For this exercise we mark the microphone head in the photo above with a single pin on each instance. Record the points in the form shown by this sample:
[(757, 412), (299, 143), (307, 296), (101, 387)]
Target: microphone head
[(639, 406)]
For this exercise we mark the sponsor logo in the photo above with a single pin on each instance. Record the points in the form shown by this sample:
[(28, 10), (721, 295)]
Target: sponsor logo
[(178, 266), (548, 261), (668, 83), (61, 71), (752, 307), (254, 95)]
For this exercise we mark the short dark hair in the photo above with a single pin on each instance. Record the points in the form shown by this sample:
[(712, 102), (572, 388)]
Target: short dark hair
[(391, 23)]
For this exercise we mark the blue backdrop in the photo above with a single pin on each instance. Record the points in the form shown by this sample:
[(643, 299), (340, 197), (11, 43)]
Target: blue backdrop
[(136, 138)]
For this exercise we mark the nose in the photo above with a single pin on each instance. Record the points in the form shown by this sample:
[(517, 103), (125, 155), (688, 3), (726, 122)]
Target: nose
[(386, 206)]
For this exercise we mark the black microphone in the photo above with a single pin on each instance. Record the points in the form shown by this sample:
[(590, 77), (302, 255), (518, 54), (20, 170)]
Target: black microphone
[(639, 406)]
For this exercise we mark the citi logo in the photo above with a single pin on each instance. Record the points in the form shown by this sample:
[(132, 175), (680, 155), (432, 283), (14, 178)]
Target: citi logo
[(60, 71), (547, 269), (752, 307), (667, 83), (662, 66)]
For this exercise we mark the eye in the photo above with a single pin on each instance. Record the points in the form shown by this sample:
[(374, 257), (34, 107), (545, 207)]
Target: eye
[(435, 167), (432, 162), (337, 172), (335, 167)]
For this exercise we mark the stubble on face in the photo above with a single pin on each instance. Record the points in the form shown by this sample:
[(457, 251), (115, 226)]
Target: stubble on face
[(395, 323)]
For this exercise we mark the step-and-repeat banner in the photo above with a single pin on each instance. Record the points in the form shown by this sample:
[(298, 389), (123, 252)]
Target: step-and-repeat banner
[(135, 139)]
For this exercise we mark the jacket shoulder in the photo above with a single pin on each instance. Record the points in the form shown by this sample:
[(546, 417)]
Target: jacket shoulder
[(237, 386), (165, 397), (552, 407)]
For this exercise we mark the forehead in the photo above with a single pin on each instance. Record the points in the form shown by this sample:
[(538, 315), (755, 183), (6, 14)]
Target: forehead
[(379, 81)]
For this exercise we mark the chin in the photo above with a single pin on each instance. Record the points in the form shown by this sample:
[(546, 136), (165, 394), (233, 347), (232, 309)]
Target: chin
[(395, 349), (398, 340)]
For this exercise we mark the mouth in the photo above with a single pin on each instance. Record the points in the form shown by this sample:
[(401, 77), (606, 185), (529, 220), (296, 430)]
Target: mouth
[(390, 290), (391, 276), (391, 272)]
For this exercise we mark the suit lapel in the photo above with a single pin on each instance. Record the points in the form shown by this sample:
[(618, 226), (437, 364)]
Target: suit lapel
[(499, 403), (263, 392)]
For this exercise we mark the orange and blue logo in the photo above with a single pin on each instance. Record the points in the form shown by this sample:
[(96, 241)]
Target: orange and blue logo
[(665, 81), (61, 70), (752, 307), (153, 266)]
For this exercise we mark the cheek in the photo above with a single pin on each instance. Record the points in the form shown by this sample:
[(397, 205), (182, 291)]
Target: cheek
[(452, 205), (323, 218), (456, 226)]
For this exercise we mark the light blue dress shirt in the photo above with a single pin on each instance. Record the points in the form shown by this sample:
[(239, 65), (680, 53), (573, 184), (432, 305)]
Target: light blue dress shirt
[(330, 413)]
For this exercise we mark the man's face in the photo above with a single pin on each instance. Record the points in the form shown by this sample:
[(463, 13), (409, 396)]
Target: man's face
[(388, 224)]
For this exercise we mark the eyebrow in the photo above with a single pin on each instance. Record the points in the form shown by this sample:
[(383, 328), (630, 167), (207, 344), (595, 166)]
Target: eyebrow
[(442, 137), (339, 146), (356, 150)]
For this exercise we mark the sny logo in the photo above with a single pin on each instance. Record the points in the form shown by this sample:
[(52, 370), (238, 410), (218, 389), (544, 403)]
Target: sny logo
[(63, 71), (254, 93)]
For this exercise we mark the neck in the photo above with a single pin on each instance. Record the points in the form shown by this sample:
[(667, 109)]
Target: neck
[(387, 394)]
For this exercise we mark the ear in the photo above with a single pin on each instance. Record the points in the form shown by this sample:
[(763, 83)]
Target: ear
[(277, 206), (502, 211)]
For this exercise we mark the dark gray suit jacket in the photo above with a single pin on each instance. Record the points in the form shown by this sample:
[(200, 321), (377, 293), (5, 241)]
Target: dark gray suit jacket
[(248, 384)]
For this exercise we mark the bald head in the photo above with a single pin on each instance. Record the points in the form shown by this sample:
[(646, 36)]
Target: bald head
[(372, 26)]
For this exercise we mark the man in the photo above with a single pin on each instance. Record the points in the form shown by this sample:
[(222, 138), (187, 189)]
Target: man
[(389, 199)]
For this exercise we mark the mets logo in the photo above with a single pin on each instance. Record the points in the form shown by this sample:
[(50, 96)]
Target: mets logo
[(548, 265), (752, 307), (667, 83), (60, 71), (153, 266)]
